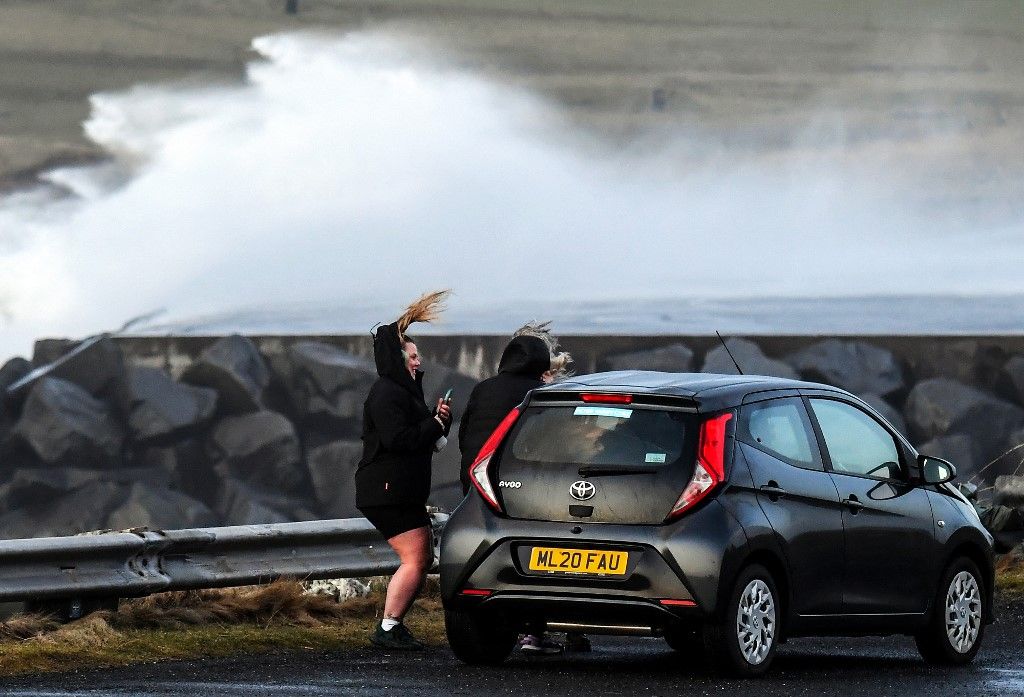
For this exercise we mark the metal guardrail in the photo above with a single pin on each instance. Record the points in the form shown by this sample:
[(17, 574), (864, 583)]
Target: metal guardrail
[(131, 564)]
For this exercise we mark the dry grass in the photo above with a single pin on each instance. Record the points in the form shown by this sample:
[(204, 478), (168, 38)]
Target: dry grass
[(196, 624), (1010, 575)]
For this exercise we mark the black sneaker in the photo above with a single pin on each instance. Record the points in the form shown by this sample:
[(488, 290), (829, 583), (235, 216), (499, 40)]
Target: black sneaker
[(398, 638)]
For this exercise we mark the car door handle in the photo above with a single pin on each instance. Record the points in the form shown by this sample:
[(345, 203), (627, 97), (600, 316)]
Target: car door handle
[(853, 504), (773, 491)]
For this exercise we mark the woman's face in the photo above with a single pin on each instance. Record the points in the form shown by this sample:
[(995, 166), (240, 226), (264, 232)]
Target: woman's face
[(412, 358)]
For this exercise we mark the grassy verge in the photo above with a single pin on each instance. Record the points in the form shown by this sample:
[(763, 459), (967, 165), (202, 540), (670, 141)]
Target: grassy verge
[(1010, 577), (201, 624)]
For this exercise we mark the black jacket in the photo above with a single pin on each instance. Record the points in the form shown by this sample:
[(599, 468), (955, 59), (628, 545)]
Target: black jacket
[(522, 364), (399, 431)]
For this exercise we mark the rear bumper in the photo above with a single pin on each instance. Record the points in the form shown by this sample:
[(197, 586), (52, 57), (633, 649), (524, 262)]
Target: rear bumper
[(593, 614), (682, 563)]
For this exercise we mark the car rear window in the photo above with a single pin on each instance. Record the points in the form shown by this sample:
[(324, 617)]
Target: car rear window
[(603, 435)]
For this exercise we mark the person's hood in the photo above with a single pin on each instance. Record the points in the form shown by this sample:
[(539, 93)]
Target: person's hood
[(525, 355), (387, 354)]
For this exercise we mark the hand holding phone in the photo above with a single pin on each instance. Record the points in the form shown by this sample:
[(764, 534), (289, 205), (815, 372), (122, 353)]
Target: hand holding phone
[(444, 407)]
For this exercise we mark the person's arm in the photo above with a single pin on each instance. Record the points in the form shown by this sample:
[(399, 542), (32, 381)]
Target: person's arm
[(396, 433)]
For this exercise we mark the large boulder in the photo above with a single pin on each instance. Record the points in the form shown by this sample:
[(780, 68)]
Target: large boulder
[(241, 503), (188, 465), (958, 448), (751, 359), (64, 425), (261, 448), (977, 362), (161, 410), (940, 405), (946, 359), (234, 368), (888, 411), (39, 485), (674, 358), (856, 366), (160, 508), (95, 364), (12, 371), (1008, 490), (82, 510), (332, 470), (1008, 459), (327, 385)]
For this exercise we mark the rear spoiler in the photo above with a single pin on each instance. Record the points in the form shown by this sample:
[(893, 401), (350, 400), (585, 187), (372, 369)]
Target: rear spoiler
[(641, 399)]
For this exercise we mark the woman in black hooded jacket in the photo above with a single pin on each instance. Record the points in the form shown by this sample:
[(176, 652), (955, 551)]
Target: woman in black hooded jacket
[(521, 368), (393, 476), (530, 360)]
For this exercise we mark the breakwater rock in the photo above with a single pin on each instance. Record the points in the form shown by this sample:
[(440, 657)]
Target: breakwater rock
[(195, 431)]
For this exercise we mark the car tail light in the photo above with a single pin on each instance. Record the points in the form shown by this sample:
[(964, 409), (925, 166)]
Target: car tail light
[(672, 602), (607, 398), (478, 592), (709, 470), (478, 473)]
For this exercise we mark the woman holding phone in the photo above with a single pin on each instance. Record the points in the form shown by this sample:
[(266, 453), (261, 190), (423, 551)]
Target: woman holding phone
[(400, 433)]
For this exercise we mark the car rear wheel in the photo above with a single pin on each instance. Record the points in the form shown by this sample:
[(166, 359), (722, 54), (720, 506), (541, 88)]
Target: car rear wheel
[(742, 642), (953, 635), (478, 640)]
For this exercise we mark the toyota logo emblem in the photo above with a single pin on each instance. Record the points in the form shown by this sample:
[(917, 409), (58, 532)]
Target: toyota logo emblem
[(582, 490)]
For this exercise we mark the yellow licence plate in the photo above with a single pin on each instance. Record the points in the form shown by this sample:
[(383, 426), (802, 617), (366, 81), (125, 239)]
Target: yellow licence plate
[(578, 561)]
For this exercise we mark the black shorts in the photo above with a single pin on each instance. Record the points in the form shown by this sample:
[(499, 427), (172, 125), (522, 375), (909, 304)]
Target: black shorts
[(394, 520)]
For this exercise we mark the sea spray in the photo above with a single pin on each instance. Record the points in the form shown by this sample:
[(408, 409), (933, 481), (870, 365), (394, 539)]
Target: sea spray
[(357, 171)]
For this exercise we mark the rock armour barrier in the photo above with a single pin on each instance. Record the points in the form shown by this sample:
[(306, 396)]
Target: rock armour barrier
[(178, 432)]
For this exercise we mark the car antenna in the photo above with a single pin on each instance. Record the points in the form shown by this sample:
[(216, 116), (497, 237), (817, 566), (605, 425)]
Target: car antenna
[(726, 346)]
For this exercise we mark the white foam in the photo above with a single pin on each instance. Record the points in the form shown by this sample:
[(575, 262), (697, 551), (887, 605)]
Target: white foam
[(359, 170)]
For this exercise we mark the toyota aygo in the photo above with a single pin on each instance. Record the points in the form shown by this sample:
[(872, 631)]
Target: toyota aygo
[(725, 513)]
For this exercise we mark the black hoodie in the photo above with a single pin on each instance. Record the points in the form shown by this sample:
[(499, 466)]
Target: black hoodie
[(523, 362), (399, 431)]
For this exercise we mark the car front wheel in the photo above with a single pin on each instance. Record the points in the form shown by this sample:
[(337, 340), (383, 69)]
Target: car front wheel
[(953, 635), (742, 642), (478, 640)]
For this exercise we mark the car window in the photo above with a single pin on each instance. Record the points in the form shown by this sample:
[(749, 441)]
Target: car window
[(600, 435), (781, 428), (857, 444)]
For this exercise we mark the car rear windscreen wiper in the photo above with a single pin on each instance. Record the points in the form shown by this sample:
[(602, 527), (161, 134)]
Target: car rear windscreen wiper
[(607, 470)]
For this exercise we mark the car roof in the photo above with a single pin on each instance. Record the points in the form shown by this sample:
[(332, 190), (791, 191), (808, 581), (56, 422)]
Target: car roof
[(710, 390)]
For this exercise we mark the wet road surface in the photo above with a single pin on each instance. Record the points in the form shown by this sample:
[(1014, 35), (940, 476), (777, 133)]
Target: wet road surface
[(616, 666)]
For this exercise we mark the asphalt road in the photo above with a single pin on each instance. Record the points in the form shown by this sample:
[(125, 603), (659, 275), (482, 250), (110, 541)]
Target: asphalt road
[(616, 666)]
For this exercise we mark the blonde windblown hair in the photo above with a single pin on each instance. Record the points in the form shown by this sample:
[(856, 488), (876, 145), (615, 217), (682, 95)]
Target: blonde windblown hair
[(560, 360), (427, 308)]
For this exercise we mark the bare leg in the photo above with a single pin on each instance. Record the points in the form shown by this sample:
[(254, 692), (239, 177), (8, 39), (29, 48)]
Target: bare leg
[(414, 555)]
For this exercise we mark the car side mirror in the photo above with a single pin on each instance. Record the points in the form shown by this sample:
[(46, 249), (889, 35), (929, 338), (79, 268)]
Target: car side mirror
[(936, 470)]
